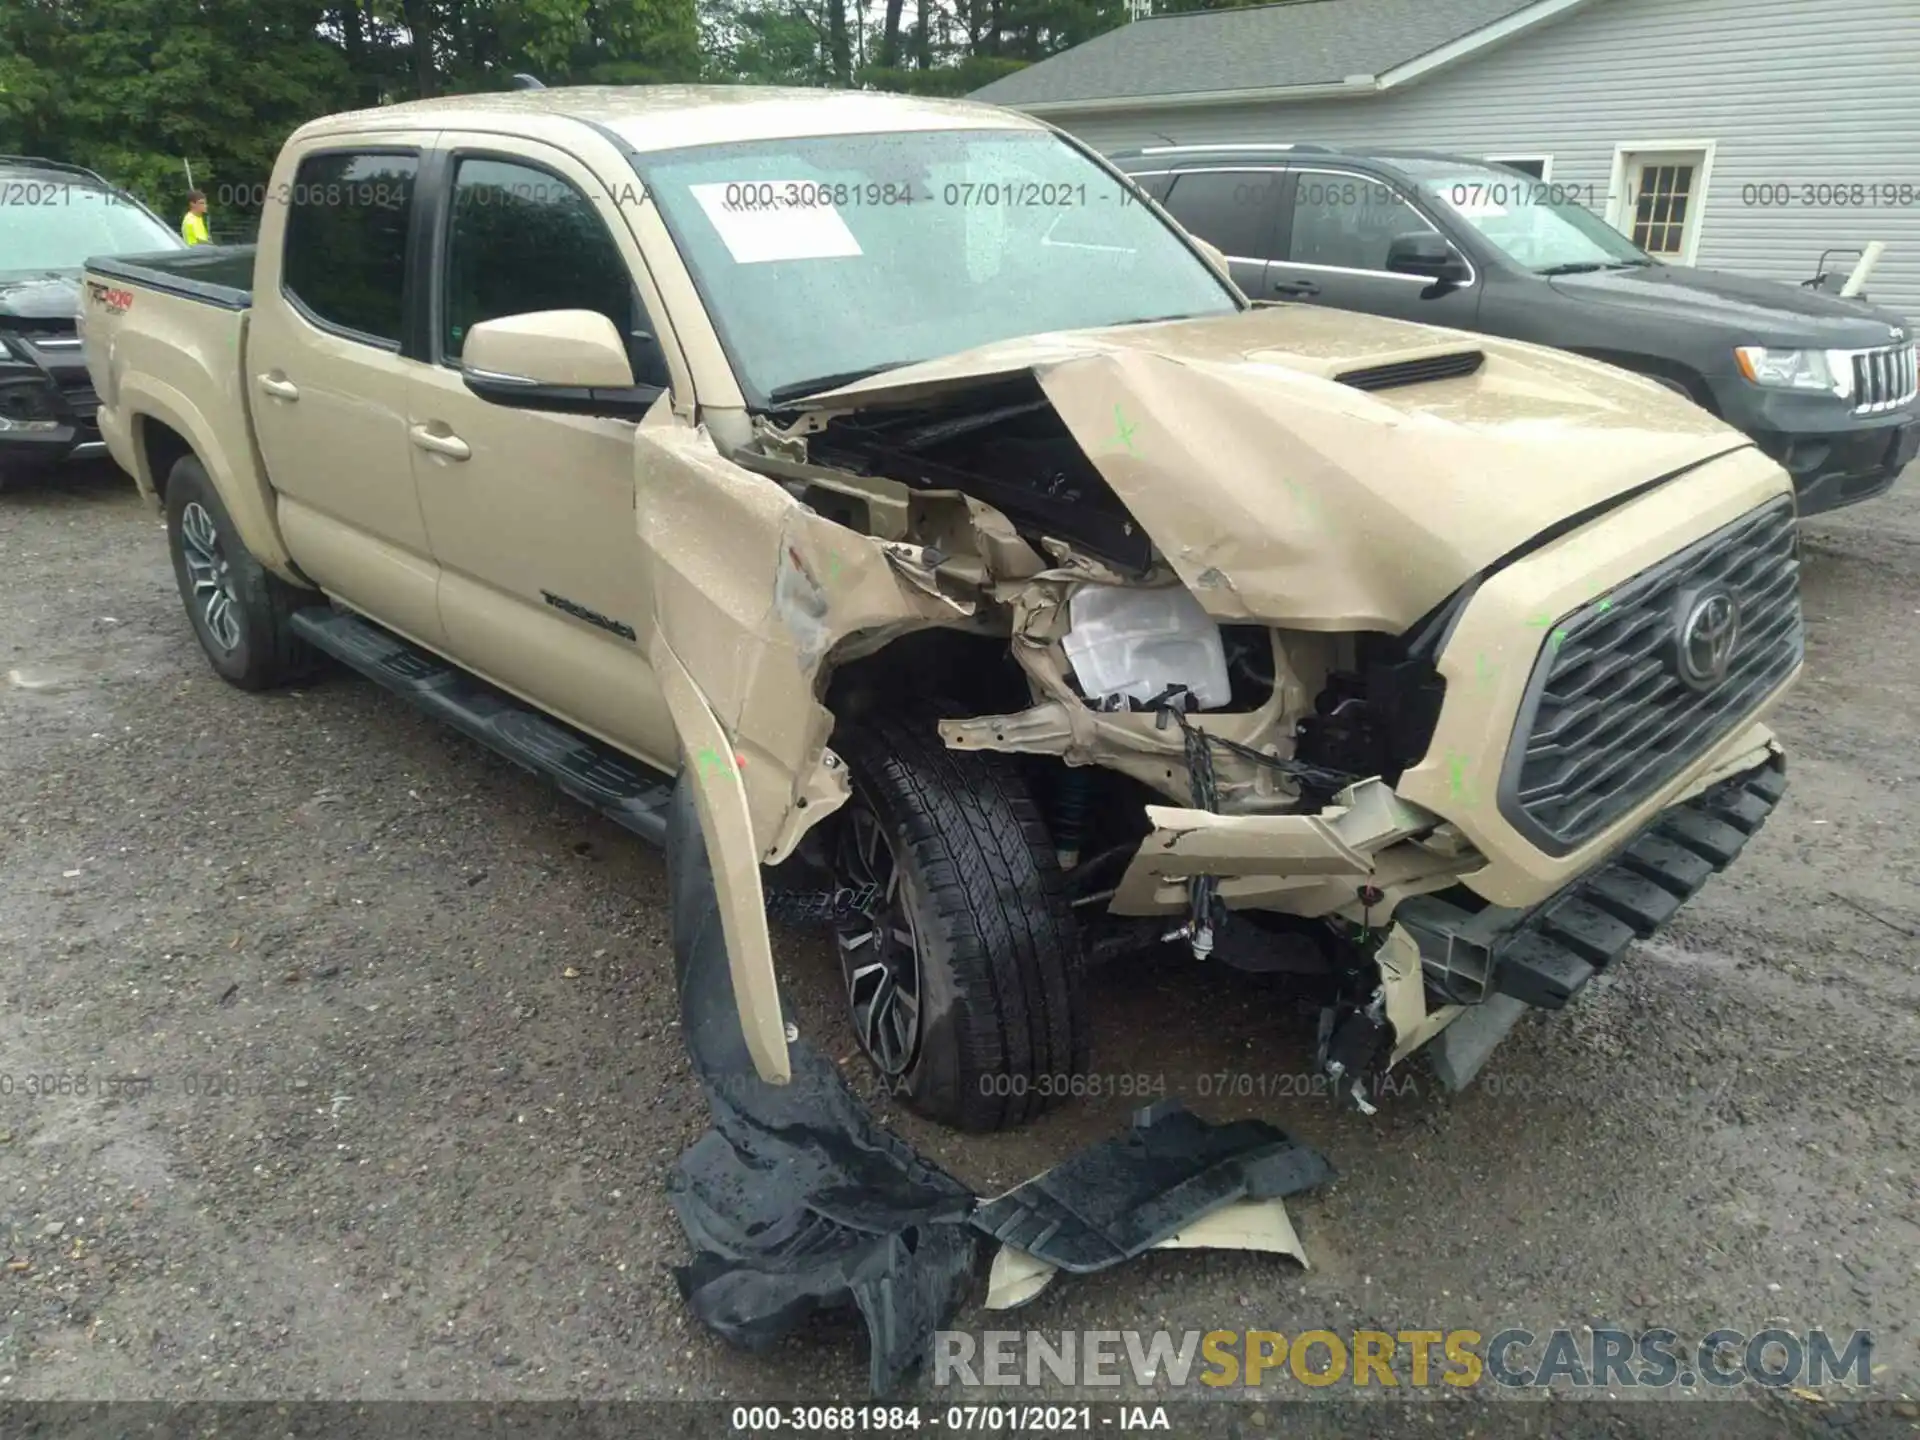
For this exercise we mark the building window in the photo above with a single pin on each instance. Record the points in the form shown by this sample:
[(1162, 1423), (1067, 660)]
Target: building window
[(1660, 208), (1658, 195), (1538, 166)]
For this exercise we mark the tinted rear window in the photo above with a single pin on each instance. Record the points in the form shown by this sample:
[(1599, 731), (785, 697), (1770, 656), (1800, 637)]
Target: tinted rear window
[(1232, 208), (346, 249)]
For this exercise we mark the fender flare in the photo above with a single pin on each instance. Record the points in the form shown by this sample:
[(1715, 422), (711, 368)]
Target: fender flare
[(710, 770), (142, 398)]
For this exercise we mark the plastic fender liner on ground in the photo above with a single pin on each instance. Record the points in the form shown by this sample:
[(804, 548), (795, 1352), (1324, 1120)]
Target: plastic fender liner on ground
[(798, 1200), (1124, 1196)]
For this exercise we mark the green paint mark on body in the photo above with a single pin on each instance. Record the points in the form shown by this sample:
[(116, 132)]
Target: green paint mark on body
[(1122, 431), (1458, 785), (710, 760)]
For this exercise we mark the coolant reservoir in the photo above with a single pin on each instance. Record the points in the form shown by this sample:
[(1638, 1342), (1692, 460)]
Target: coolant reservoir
[(1138, 642)]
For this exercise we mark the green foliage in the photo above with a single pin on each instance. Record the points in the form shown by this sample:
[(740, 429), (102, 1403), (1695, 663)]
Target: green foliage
[(141, 89), (955, 79), (138, 89)]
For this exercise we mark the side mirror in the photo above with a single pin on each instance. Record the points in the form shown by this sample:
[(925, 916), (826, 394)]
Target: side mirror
[(570, 361), (1427, 253)]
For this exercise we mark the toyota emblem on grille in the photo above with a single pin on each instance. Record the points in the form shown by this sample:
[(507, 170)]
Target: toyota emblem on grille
[(1708, 629)]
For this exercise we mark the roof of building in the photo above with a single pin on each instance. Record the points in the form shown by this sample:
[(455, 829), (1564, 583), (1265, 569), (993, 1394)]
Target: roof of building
[(1298, 45)]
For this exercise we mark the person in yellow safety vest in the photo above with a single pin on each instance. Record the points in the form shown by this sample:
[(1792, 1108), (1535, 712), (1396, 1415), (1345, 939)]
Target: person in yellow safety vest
[(193, 226)]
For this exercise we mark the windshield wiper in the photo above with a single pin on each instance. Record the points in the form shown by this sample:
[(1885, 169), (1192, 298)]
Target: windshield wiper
[(1587, 267), (798, 388), (1154, 319)]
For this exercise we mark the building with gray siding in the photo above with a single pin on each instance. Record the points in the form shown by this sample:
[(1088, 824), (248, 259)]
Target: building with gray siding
[(1744, 135)]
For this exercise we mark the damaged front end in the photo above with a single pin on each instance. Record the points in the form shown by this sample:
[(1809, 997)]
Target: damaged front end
[(1262, 635), (1253, 661), (1263, 690)]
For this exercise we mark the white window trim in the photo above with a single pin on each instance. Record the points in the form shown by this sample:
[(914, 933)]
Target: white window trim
[(1617, 213), (1546, 163)]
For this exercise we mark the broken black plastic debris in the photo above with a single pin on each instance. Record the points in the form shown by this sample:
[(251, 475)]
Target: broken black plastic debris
[(798, 1200), (1122, 1197)]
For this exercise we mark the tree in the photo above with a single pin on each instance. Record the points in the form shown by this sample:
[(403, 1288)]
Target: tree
[(140, 89)]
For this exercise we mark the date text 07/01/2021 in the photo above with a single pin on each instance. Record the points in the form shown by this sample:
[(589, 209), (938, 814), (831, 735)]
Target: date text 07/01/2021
[(756, 1420)]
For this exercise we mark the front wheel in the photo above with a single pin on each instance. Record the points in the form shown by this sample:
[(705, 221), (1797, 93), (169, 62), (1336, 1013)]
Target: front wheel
[(241, 612), (964, 982)]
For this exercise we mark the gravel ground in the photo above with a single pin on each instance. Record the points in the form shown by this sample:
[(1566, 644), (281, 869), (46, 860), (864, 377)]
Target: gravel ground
[(409, 1022)]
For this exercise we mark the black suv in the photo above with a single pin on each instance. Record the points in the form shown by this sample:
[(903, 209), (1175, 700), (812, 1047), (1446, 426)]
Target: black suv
[(1824, 385), (54, 216)]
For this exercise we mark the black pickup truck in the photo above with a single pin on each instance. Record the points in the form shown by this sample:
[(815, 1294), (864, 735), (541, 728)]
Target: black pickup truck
[(53, 216), (1824, 385)]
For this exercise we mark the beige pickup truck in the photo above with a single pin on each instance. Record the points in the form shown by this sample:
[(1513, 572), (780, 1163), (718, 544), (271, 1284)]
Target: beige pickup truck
[(1011, 590)]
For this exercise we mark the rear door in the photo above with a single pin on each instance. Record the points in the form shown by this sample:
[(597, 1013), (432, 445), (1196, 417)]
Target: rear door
[(1339, 223), (327, 372), (544, 585), (1236, 208)]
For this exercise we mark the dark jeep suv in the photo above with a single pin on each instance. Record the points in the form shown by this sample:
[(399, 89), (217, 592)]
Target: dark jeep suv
[(1824, 385), (52, 217)]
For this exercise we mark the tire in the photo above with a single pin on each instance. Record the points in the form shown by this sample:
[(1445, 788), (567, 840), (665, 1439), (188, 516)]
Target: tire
[(241, 613), (1000, 1021)]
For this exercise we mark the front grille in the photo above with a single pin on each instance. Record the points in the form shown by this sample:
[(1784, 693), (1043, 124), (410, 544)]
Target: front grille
[(1414, 372), (1883, 379), (1607, 718)]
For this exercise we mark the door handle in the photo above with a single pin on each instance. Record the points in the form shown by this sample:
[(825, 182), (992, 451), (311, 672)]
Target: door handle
[(1295, 287), (449, 445), (279, 387)]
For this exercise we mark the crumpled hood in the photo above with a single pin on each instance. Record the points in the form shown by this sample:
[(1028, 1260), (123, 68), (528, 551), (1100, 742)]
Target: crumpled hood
[(1279, 494)]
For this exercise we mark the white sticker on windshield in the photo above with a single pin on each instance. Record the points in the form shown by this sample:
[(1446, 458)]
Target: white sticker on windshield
[(761, 220)]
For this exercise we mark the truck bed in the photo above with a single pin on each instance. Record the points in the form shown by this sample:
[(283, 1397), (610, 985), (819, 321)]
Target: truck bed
[(166, 346), (216, 274)]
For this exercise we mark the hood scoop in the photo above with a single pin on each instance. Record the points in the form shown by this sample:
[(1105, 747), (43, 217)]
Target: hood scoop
[(1425, 370)]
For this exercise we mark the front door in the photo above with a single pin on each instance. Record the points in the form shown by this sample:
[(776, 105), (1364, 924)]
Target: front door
[(544, 587), (1340, 224), (327, 380)]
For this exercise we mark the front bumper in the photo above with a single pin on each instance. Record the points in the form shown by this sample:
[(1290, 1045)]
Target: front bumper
[(1834, 457), (46, 415), (1543, 957), (34, 449), (1833, 470)]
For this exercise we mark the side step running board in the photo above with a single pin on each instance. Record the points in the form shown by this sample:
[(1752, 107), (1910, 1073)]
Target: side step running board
[(632, 795)]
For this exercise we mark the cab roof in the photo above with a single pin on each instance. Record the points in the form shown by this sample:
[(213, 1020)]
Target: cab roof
[(659, 117)]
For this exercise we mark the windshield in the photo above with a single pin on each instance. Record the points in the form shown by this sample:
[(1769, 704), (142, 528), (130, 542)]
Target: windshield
[(825, 258), (1535, 222), (55, 224)]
